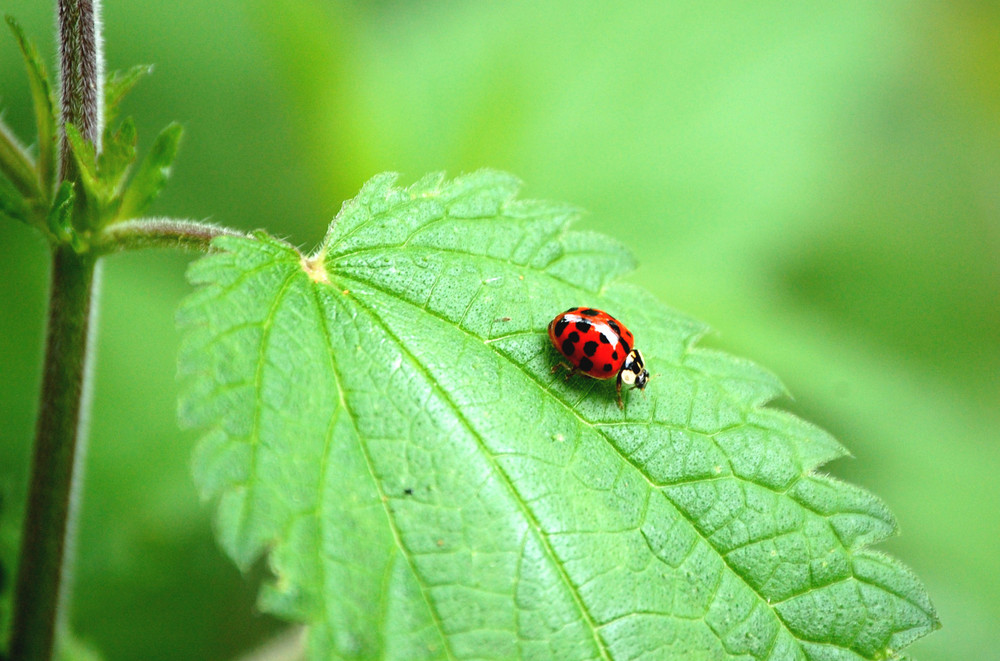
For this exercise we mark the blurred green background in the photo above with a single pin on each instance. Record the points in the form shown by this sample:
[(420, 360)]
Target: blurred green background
[(820, 182)]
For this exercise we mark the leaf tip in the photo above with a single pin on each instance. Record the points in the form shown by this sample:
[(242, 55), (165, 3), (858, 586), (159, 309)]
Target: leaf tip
[(13, 25)]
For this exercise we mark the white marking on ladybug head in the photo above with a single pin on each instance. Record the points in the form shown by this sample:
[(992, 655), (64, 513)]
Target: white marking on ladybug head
[(642, 379), (628, 377)]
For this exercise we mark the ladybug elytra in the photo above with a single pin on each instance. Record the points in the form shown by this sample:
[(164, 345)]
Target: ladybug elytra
[(598, 345)]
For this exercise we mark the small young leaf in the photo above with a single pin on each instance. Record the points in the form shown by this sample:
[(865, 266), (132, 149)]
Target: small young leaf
[(118, 154), (12, 202), (118, 85), (45, 107), (60, 218), (153, 173), (382, 418), (85, 158), (15, 164)]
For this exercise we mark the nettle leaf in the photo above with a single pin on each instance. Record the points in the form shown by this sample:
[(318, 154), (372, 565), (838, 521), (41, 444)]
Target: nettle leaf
[(44, 105), (117, 86), (117, 157), (109, 194), (153, 172), (85, 157), (16, 167), (381, 419), (12, 203)]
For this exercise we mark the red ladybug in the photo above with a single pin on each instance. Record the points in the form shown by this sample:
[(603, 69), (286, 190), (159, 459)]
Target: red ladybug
[(598, 345)]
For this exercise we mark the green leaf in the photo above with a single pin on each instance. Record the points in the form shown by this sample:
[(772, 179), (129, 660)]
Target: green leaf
[(382, 420), (153, 173), (103, 176), (15, 163), (44, 104), (12, 203), (117, 85), (85, 158), (118, 154), (72, 648), (60, 218)]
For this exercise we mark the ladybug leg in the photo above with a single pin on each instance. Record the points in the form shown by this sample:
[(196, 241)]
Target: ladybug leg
[(563, 366), (618, 391)]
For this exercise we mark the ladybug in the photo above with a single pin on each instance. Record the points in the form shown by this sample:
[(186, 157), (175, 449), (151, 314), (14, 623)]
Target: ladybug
[(598, 345)]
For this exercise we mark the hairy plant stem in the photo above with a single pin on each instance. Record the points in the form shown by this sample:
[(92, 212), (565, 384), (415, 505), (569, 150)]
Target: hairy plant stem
[(81, 68), (49, 518), (160, 233)]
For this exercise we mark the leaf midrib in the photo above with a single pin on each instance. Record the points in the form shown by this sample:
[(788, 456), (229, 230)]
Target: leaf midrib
[(525, 511), (733, 474), (382, 496)]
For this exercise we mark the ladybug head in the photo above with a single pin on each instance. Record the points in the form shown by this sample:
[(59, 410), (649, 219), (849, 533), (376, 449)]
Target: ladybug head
[(634, 372)]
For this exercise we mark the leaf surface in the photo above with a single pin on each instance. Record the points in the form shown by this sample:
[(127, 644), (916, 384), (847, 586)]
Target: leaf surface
[(117, 86), (153, 172), (380, 418), (44, 104)]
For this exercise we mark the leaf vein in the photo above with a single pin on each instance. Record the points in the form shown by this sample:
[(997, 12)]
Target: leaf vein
[(254, 439), (572, 410), (383, 498), (529, 517)]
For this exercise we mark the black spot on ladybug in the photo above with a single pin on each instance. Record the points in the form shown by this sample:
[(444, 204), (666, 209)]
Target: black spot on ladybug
[(570, 310), (604, 338), (614, 354), (573, 337), (615, 327), (561, 327), (607, 367), (626, 347), (590, 312), (583, 326), (586, 364), (568, 348), (590, 348)]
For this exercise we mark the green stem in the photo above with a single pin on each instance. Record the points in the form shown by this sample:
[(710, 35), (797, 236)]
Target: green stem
[(49, 521), (159, 233), (59, 444)]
